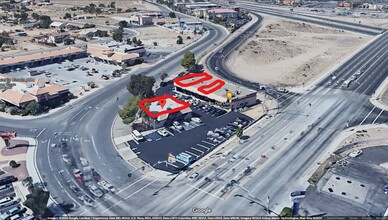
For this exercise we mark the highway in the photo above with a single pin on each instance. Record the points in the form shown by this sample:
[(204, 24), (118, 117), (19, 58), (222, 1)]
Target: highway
[(291, 141)]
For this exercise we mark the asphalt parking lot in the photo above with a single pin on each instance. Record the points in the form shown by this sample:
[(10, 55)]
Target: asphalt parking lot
[(355, 188), (75, 77), (194, 139)]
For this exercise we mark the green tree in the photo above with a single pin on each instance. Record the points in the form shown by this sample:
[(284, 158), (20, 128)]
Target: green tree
[(101, 5), (13, 164), (179, 40), (33, 108), (134, 40), (123, 24), (92, 85), (155, 43), (27, 181), (68, 41), (37, 201), (172, 15), (128, 112), (117, 34), (67, 16), (188, 60), (141, 85), (239, 132), (100, 33), (35, 16), (45, 21), (112, 5)]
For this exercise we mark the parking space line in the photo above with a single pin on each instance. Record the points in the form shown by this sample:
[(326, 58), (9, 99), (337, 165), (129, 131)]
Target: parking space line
[(200, 145), (173, 165), (197, 150), (169, 132), (135, 141), (188, 152), (208, 143)]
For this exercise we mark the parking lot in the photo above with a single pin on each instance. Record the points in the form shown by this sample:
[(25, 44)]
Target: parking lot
[(209, 127), (71, 74), (352, 187)]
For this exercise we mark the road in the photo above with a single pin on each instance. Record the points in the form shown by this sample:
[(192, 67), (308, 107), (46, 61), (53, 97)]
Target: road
[(302, 134)]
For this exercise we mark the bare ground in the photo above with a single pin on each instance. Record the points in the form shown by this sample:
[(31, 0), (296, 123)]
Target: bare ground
[(290, 53)]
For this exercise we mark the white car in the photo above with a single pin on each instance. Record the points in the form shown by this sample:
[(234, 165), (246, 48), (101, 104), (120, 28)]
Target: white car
[(355, 153), (177, 125), (193, 176), (86, 200), (96, 191), (163, 132), (107, 186), (66, 159), (217, 68), (234, 158)]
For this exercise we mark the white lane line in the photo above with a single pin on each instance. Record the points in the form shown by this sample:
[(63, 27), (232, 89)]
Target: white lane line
[(382, 110), (201, 190), (208, 143), (40, 132), (94, 146), (367, 115), (48, 154), (128, 196), (131, 184)]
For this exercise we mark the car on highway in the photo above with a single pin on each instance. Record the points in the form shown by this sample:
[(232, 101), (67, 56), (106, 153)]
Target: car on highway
[(96, 191), (177, 125), (86, 200), (234, 158), (75, 189), (163, 132), (14, 211), (64, 146), (355, 153), (7, 180), (106, 186), (193, 176), (66, 159), (386, 189)]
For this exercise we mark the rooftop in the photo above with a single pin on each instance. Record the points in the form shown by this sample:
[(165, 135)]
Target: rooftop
[(37, 56), (220, 94), (222, 10)]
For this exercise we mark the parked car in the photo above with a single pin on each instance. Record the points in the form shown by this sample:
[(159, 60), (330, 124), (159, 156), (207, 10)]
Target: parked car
[(107, 186), (163, 132), (14, 211), (193, 176), (177, 125), (297, 195), (5, 188), (75, 189), (96, 191), (355, 153), (77, 173), (7, 180)]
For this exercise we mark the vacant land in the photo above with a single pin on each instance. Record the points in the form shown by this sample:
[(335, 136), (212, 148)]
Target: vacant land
[(140, 5), (290, 53)]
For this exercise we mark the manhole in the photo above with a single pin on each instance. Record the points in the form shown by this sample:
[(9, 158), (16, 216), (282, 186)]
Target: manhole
[(330, 190), (356, 197), (343, 193), (349, 181), (338, 178), (362, 185)]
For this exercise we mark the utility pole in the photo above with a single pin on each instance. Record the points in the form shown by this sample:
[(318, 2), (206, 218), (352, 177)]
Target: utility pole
[(269, 211)]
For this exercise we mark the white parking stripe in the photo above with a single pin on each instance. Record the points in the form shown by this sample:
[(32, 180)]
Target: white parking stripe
[(382, 110), (197, 150), (367, 115), (189, 152), (200, 145), (208, 143)]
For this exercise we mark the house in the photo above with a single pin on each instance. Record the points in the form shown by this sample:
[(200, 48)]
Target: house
[(223, 13), (88, 32), (200, 12), (58, 37), (193, 26), (40, 91), (58, 25), (29, 25), (141, 20)]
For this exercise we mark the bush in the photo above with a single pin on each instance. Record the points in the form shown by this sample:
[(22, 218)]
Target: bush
[(92, 85), (13, 164), (188, 37), (13, 110)]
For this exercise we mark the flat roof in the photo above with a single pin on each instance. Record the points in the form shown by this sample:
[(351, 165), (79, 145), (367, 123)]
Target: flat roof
[(222, 10), (38, 56), (220, 94)]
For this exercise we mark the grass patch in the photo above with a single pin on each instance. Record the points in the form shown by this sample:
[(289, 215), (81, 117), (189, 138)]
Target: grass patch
[(286, 212), (317, 175)]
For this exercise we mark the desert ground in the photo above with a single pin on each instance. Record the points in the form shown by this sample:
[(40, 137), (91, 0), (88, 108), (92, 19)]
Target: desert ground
[(378, 22), (140, 5), (288, 53)]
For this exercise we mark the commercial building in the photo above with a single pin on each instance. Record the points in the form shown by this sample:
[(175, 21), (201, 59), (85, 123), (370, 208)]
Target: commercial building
[(40, 91), (193, 26), (40, 59), (242, 97), (223, 13), (141, 20), (112, 55)]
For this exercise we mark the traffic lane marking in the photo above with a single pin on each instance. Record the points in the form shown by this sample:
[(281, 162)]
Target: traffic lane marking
[(201, 190)]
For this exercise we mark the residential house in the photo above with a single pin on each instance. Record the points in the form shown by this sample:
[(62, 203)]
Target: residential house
[(58, 25), (59, 37)]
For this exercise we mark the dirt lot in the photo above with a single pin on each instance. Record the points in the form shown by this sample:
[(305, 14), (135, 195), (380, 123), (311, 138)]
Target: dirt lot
[(140, 5), (288, 53)]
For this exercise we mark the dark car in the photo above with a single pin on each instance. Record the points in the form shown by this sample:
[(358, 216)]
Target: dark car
[(64, 146), (7, 180), (386, 189)]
